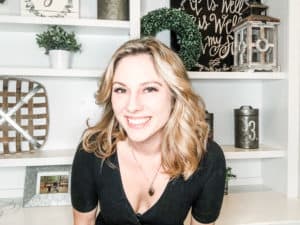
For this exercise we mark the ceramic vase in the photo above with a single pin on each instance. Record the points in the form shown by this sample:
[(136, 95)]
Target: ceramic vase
[(60, 59)]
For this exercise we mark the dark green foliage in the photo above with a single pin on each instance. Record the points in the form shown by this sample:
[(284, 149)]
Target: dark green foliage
[(229, 174), (188, 35)]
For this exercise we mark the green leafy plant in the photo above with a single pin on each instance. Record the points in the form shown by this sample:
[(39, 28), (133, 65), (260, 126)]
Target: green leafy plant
[(188, 36), (55, 37), (229, 175)]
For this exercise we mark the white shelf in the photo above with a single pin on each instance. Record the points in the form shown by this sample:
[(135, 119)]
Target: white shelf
[(262, 152), (37, 158), (65, 157), (96, 73), (48, 72), (237, 75), (80, 25)]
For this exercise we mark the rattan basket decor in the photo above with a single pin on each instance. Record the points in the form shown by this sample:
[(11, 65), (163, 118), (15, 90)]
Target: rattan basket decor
[(24, 118)]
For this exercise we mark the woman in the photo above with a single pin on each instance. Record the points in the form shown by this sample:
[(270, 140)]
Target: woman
[(147, 161)]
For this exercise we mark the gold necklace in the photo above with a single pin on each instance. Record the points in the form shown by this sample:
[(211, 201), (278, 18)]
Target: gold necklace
[(151, 189)]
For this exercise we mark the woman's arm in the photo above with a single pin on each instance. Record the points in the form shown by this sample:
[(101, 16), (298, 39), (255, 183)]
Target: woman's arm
[(84, 218)]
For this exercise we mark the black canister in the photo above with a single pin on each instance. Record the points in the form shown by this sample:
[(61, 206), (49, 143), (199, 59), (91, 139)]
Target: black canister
[(113, 9), (209, 118), (246, 127)]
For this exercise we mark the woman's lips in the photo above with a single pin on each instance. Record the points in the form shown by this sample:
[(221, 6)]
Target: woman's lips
[(137, 122)]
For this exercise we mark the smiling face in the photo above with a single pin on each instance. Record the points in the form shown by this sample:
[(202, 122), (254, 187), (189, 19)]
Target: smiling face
[(141, 100)]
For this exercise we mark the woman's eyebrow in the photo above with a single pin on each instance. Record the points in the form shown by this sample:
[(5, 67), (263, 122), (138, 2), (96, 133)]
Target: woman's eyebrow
[(152, 82), (119, 83), (142, 84)]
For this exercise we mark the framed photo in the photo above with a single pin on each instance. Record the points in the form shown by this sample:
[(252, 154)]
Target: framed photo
[(50, 8), (4, 7), (47, 186)]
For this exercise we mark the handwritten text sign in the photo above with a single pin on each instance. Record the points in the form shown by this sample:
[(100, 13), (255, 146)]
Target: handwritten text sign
[(214, 18)]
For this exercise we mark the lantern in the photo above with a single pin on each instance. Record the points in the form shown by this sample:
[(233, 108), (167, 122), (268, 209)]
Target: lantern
[(255, 40)]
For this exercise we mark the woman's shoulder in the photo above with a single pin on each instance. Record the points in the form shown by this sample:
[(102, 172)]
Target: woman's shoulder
[(83, 156), (89, 158), (213, 149), (214, 154)]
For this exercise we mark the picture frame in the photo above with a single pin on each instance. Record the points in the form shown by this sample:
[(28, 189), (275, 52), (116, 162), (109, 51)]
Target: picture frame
[(47, 186), (4, 7), (50, 8)]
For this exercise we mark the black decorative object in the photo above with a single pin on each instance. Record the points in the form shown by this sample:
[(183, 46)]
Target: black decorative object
[(209, 117), (189, 37), (246, 127), (214, 20)]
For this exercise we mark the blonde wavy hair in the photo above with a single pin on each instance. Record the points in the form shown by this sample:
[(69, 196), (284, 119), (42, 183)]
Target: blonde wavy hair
[(185, 133)]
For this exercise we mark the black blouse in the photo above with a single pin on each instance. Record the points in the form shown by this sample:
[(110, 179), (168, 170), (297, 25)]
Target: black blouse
[(93, 181)]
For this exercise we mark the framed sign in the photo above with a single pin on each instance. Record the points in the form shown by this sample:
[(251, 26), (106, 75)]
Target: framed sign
[(214, 18), (50, 8), (47, 186)]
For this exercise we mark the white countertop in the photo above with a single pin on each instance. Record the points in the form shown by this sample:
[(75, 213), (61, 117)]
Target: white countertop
[(258, 208), (238, 208)]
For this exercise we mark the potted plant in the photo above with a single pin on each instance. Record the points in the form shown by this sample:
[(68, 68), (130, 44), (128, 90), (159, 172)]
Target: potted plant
[(59, 44), (229, 175)]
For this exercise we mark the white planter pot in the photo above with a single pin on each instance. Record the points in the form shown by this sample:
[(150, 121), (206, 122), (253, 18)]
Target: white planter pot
[(60, 59)]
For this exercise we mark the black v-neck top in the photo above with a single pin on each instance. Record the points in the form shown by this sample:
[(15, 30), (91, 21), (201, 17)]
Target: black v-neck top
[(94, 181)]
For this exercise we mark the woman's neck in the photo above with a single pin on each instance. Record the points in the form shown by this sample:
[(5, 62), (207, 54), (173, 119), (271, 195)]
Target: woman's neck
[(145, 148)]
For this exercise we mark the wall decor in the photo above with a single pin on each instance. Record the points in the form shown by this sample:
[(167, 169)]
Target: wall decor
[(214, 19), (246, 126), (113, 9), (50, 8), (189, 37), (23, 115), (47, 186), (255, 40)]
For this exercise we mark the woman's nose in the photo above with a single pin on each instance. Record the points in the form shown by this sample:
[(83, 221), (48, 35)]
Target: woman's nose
[(134, 103)]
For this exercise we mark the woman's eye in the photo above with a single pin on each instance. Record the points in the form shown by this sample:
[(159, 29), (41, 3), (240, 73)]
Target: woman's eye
[(119, 90), (150, 89)]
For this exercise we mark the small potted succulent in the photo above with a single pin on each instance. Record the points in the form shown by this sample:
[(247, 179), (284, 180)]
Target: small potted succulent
[(229, 175), (59, 44)]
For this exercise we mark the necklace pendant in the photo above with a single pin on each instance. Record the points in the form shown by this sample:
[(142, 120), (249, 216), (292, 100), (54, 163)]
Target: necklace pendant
[(151, 191)]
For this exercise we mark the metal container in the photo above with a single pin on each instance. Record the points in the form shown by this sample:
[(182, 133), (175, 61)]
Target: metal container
[(246, 127), (113, 9), (209, 118)]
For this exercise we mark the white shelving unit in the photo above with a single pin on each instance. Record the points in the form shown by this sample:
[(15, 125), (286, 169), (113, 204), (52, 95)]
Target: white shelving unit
[(37, 158), (263, 152), (48, 72), (90, 73), (65, 157), (276, 94), (86, 26), (237, 76)]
